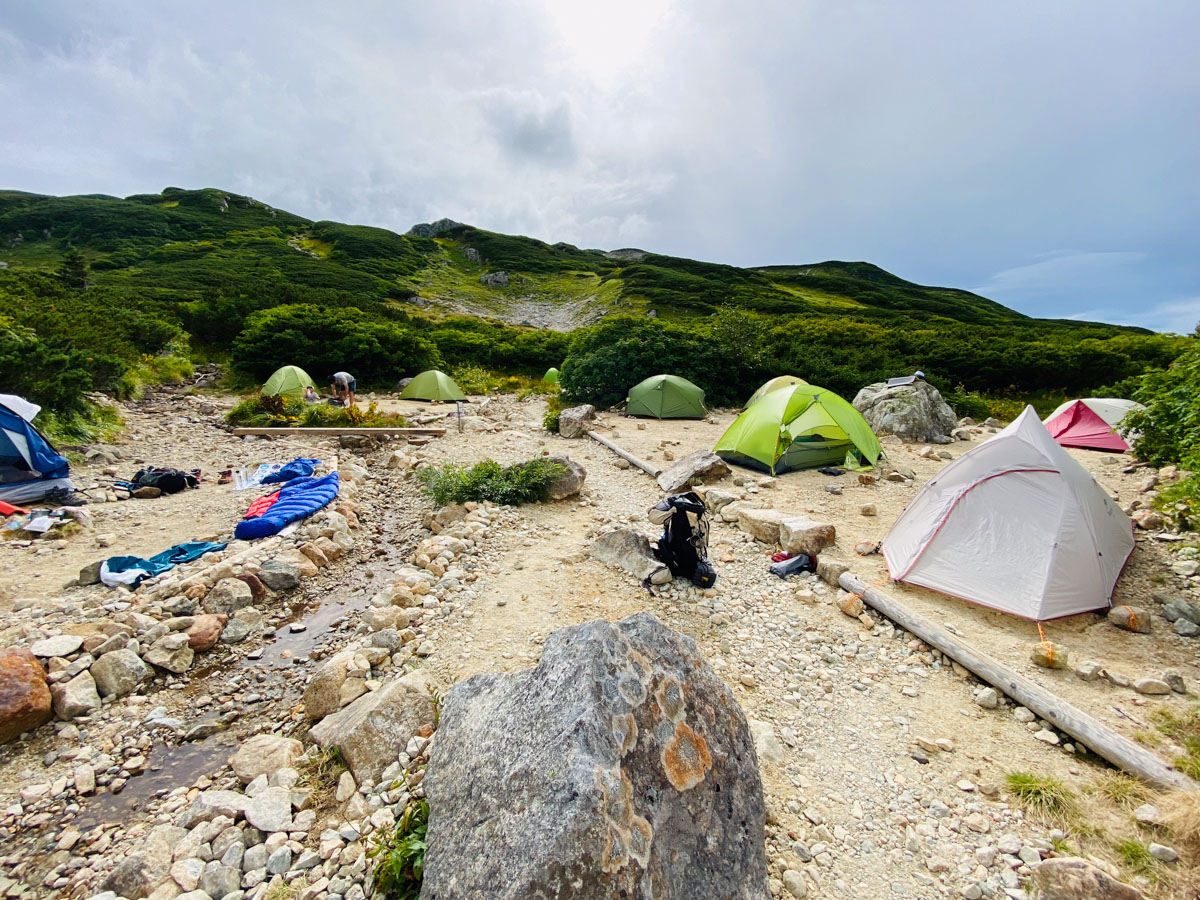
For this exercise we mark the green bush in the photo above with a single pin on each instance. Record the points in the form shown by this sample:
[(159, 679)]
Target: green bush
[(525, 482), (554, 406), (400, 854)]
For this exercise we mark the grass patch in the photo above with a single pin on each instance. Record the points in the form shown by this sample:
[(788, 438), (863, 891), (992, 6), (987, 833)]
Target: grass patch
[(279, 412), (96, 424), (1121, 789), (507, 485), (1185, 731), (400, 854), (280, 890), (554, 406), (1041, 794), (319, 772), (1135, 856), (1181, 815)]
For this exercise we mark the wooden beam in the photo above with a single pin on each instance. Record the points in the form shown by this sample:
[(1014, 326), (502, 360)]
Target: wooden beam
[(1093, 734), (436, 432), (626, 455)]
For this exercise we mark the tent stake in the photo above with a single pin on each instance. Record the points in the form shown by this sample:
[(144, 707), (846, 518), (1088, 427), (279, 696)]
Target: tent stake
[(626, 455), (1093, 734)]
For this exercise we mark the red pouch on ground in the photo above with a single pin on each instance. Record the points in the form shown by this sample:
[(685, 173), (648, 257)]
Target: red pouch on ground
[(780, 557), (7, 509)]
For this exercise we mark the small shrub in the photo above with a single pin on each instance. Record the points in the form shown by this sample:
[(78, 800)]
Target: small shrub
[(400, 855), (475, 379), (1136, 857), (94, 424), (554, 406), (1041, 793), (278, 411), (508, 485)]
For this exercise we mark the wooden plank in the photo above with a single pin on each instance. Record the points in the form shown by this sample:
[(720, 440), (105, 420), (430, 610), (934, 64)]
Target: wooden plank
[(626, 455), (436, 432), (1093, 734)]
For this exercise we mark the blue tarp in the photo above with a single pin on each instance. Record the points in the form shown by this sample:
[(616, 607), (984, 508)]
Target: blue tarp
[(121, 568), (298, 499)]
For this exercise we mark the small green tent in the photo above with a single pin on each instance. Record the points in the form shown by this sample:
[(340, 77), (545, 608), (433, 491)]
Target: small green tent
[(288, 381), (778, 383), (551, 376), (432, 385), (798, 428), (666, 397)]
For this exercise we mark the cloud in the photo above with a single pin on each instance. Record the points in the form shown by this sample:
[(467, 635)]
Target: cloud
[(1176, 316), (955, 144)]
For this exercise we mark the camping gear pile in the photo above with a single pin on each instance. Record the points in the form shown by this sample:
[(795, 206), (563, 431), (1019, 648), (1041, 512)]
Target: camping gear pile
[(799, 426), (1015, 524), (1092, 423), (666, 397), (683, 547), (42, 522), (30, 468), (298, 499)]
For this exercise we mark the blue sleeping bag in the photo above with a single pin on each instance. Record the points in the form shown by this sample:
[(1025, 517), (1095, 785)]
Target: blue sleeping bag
[(298, 499)]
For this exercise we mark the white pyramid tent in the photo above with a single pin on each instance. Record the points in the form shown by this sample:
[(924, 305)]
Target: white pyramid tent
[(1015, 524)]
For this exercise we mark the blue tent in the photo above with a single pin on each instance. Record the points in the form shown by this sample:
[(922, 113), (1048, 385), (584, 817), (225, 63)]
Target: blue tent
[(29, 467)]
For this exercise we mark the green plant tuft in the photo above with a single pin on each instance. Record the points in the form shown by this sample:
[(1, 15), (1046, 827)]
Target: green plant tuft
[(1041, 793), (400, 854), (507, 485)]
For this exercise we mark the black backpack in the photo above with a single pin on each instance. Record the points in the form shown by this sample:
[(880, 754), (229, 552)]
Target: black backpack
[(169, 481), (683, 547)]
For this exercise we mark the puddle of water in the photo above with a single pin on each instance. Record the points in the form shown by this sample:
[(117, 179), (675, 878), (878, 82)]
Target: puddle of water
[(167, 769), (299, 643)]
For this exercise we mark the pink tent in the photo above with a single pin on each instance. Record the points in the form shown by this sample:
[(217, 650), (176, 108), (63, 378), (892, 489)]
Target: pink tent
[(1079, 426)]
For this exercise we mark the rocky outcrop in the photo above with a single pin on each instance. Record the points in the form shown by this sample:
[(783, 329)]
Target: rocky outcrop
[(625, 548), (620, 767), (914, 412), (494, 279), (433, 229), (573, 422), (24, 696), (373, 729), (700, 465), (567, 483), (1072, 878)]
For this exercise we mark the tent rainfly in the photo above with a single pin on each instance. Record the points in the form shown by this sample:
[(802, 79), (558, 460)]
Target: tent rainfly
[(666, 397), (1015, 524), (799, 427), (30, 468), (778, 383), (432, 385), (551, 376), (1091, 423), (288, 381)]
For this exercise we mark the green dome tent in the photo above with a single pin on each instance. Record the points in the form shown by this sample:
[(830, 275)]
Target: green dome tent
[(798, 428), (778, 383), (288, 381), (666, 397), (432, 385), (551, 376)]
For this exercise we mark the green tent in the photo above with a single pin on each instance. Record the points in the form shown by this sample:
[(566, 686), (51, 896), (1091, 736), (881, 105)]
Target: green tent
[(290, 381), (778, 383), (666, 397), (432, 385), (551, 376), (799, 427)]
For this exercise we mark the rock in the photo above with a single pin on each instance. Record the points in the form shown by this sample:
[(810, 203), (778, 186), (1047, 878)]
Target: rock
[(1090, 670), (716, 500), (373, 729), (699, 465), (1178, 608), (119, 673), (1186, 628), (1174, 678), (228, 596), (25, 700), (573, 422), (131, 878), (567, 483), (800, 534), (494, 279), (852, 606), (322, 696), (146, 492), (264, 754), (1072, 878), (209, 804), (1130, 618), (626, 548), (1148, 814), (1151, 686), (236, 629), (768, 747), (270, 810), (258, 590), (59, 645), (762, 524), (794, 884), (279, 575), (76, 697), (90, 574), (205, 631), (987, 698), (1049, 655), (619, 766), (868, 509), (913, 412), (171, 652), (1163, 852)]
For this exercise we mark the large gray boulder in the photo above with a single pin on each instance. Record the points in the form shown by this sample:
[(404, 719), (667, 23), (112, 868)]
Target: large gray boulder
[(699, 465), (373, 729), (1072, 878), (573, 422), (567, 483), (914, 412), (620, 767), (626, 548)]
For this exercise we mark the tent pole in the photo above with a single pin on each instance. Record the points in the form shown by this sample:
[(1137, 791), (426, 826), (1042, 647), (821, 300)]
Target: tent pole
[(1093, 734)]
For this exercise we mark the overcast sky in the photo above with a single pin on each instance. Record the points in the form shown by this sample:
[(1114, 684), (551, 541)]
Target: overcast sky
[(1044, 154)]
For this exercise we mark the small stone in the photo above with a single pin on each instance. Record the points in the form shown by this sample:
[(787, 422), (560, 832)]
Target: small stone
[(1163, 852), (1049, 655), (1047, 736), (1151, 686), (1089, 671), (794, 883), (868, 509), (1148, 814), (1130, 618), (1023, 715), (59, 645), (1185, 628), (987, 698), (1174, 678)]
